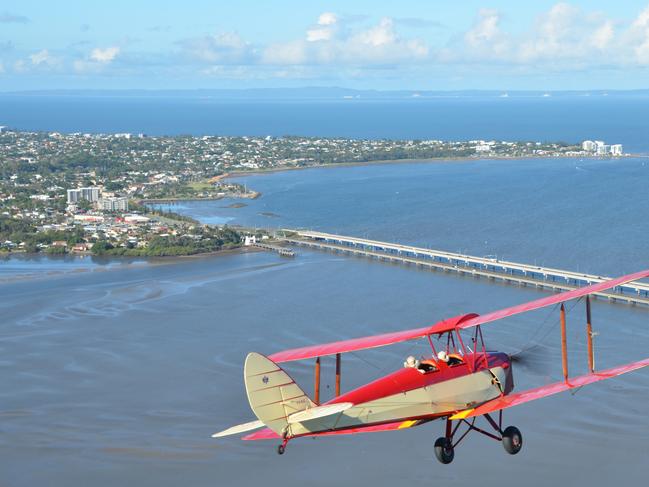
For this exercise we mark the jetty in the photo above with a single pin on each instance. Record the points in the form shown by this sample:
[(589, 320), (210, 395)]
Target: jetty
[(466, 265), (283, 251)]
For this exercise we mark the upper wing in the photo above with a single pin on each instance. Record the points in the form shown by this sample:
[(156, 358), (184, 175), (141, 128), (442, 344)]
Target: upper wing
[(361, 343), (548, 390), (554, 299), (462, 321)]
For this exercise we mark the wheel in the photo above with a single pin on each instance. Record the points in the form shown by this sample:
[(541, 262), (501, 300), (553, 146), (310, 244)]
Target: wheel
[(444, 450), (512, 440), (281, 449)]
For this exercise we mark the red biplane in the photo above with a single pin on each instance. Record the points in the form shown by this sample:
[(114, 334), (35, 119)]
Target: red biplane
[(459, 382)]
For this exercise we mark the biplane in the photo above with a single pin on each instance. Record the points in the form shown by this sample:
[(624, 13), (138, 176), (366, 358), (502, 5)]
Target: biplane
[(459, 382)]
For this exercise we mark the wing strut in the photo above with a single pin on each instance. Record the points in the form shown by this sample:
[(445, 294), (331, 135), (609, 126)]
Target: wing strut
[(564, 346), (589, 337)]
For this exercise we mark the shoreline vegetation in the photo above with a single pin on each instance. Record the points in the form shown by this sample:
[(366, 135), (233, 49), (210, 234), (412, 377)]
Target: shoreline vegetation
[(96, 193)]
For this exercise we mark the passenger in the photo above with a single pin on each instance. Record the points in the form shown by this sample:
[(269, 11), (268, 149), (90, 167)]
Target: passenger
[(454, 360), (411, 362), (450, 360), (426, 366)]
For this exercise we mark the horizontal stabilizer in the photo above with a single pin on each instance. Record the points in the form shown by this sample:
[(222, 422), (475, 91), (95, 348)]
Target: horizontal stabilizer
[(240, 428), (319, 412)]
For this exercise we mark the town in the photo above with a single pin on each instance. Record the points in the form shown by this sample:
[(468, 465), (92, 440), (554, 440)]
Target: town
[(63, 193)]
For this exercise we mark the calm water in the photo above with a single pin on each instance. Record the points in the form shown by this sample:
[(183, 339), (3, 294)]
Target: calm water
[(616, 119), (116, 372)]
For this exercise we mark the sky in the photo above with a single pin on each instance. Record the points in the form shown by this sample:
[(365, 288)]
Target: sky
[(379, 44)]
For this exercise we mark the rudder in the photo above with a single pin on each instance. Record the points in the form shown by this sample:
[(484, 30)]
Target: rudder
[(273, 395)]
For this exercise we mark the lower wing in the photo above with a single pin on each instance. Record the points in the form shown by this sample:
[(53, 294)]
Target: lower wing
[(548, 390), (267, 434)]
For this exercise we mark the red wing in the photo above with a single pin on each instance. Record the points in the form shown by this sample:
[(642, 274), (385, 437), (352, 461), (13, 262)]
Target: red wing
[(267, 434), (555, 299), (462, 321), (362, 343), (548, 390)]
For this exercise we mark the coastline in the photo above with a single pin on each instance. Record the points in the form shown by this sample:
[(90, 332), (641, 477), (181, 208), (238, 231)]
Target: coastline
[(242, 250), (258, 172), (253, 195)]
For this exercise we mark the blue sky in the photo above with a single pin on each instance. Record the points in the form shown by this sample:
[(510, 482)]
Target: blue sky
[(434, 45)]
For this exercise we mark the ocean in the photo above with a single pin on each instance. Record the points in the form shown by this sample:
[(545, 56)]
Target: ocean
[(617, 118), (116, 372)]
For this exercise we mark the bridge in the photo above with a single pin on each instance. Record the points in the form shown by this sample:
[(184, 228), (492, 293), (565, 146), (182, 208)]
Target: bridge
[(467, 265)]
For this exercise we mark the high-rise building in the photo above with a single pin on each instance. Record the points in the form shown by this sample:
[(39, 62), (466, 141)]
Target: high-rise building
[(603, 149), (616, 149), (74, 195), (588, 145), (114, 204), (91, 194)]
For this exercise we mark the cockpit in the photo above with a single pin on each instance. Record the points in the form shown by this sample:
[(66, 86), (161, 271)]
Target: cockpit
[(426, 366)]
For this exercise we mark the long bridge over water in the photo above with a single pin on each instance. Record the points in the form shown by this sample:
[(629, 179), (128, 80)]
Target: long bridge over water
[(467, 265)]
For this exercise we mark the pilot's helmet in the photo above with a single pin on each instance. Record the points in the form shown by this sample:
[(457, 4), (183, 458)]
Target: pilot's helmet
[(443, 356), (411, 361)]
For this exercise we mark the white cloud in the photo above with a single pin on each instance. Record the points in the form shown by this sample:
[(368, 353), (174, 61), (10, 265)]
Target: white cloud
[(325, 28), (327, 18), (223, 48), (564, 35), (319, 34), (603, 35), (379, 35), (104, 55), (638, 36), (485, 39), (41, 57), (330, 42)]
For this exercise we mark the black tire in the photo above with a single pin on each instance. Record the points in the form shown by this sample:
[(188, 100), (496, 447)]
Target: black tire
[(281, 449), (512, 440), (444, 450)]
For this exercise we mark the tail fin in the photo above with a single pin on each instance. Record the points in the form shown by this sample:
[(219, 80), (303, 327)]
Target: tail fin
[(272, 394)]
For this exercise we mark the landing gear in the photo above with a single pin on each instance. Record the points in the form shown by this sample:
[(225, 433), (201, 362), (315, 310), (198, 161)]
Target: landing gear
[(444, 450), (510, 437), (285, 437), (512, 440), (282, 448)]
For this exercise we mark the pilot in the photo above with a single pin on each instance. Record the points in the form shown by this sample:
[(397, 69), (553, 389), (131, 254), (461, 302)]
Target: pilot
[(411, 362), (448, 360)]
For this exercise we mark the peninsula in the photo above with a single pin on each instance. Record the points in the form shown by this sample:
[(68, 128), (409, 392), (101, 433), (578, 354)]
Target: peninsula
[(77, 192)]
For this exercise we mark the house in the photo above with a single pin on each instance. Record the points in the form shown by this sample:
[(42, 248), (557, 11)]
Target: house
[(80, 247)]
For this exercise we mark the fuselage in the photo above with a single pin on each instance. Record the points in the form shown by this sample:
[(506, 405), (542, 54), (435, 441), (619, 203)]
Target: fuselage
[(410, 393)]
